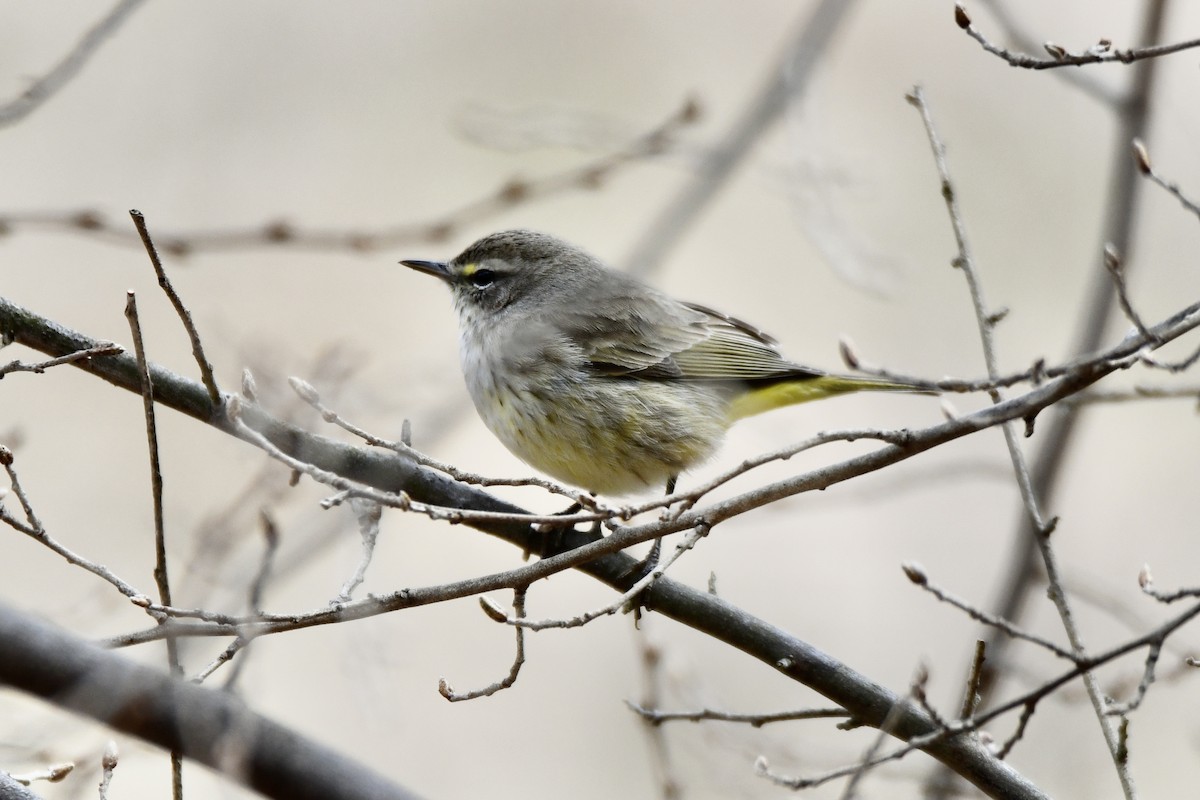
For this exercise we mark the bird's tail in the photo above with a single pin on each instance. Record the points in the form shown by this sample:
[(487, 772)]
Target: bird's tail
[(801, 390)]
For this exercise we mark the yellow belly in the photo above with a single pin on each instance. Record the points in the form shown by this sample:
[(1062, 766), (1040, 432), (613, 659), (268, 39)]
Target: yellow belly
[(614, 437)]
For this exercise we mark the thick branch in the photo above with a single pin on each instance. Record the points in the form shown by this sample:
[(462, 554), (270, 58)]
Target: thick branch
[(210, 727)]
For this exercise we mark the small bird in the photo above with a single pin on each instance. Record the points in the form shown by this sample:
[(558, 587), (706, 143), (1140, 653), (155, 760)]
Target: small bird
[(601, 381)]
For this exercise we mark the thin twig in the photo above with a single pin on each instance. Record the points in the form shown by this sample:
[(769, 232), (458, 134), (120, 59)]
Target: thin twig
[(33, 528), (51, 774), (513, 192), (1166, 598), (971, 698), (206, 370), (49, 84), (623, 602), (367, 514), (70, 358), (917, 692), (1121, 709), (271, 541), (1136, 393), (156, 488), (223, 658), (1084, 81), (1173, 367), (1101, 53), (108, 763), (1112, 263), (657, 717), (869, 760), (1027, 701), (254, 594), (917, 575), (651, 658), (444, 688), (1018, 733), (1142, 159)]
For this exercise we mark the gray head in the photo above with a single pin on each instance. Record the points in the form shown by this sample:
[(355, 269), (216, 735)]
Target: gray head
[(517, 270)]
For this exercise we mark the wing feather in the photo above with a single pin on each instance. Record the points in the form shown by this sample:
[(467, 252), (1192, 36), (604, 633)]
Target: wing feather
[(657, 337)]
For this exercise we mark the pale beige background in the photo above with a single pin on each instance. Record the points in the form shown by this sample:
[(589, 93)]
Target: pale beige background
[(219, 115)]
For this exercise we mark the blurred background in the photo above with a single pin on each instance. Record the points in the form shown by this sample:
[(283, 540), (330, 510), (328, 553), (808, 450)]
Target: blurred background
[(410, 118)]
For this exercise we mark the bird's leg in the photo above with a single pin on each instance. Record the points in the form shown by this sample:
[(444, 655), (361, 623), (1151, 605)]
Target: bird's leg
[(651, 560), (553, 534), (647, 564)]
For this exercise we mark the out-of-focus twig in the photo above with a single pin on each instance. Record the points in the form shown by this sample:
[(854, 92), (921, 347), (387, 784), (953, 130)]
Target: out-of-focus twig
[(514, 192), (788, 79), (46, 86), (1102, 52)]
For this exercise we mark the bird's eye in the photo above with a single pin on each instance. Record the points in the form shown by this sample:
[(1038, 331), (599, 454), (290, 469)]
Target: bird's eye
[(482, 278)]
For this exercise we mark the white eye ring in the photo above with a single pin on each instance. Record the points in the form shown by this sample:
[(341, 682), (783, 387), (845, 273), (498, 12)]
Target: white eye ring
[(482, 278)]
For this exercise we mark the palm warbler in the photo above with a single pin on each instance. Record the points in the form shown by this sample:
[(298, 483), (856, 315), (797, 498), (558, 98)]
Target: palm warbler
[(601, 381)]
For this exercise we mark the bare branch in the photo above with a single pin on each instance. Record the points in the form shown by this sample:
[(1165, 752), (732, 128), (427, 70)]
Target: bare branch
[(70, 358), (1146, 582), (869, 760), (971, 696), (1136, 393), (626, 600), (1019, 732), (1121, 709), (1131, 109), (1042, 526), (444, 688), (33, 528), (108, 763), (206, 370), (658, 717), (1102, 52), (64, 71), (368, 515), (1142, 158), (1112, 263), (514, 192), (62, 669), (51, 774), (156, 489), (918, 577)]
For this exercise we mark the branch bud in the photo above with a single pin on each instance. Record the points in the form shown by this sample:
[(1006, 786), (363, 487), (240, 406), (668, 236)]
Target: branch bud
[(961, 19), (493, 609), (1141, 156), (109, 760), (915, 573), (303, 388), (1056, 52), (249, 387)]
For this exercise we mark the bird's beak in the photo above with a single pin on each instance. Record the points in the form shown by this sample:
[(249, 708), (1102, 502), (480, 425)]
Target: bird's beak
[(438, 269)]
